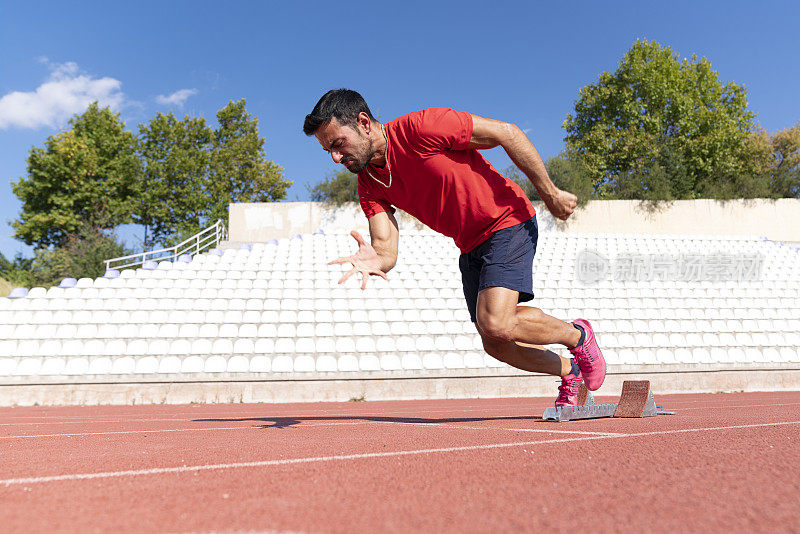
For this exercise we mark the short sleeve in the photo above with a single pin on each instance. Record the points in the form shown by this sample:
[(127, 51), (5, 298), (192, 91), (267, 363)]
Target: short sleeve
[(444, 129), (371, 204)]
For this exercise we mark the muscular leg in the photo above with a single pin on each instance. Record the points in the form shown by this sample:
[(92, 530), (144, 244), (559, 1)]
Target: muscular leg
[(514, 334)]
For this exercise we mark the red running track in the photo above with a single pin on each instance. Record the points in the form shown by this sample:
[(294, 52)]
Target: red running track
[(724, 463)]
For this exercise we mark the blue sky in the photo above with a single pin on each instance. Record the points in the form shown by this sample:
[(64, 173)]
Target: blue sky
[(522, 62)]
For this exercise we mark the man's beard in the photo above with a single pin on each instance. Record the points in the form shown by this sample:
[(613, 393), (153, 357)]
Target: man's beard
[(361, 161)]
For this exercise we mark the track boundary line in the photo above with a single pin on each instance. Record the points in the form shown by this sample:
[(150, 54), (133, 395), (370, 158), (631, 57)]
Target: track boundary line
[(300, 426), (717, 407), (291, 461), (492, 428)]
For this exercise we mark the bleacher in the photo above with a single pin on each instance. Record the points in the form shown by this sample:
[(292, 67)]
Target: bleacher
[(273, 310)]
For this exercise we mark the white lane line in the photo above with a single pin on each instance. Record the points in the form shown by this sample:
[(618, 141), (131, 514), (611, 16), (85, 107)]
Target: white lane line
[(265, 463), (291, 461), (718, 406), (159, 430), (492, 428), (729, 427), (299, 426)]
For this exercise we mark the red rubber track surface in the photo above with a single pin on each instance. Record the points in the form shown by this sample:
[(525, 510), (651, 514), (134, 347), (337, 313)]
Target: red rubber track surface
[(724, 463)]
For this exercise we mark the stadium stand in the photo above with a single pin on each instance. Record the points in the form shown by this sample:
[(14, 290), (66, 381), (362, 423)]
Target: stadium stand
[(273, 311)]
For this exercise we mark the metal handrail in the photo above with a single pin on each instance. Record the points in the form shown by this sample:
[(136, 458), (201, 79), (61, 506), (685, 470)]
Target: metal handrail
[(193, 245)]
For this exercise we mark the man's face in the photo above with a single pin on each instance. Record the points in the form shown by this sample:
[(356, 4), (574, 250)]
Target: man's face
[(348, 145)]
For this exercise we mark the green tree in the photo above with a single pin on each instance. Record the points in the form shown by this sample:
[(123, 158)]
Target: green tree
[(82, 256), (175, 156), (18, 272), (240, 171), (83, 177), (667, 128), (337, 188), (783, 171), (192, 172)]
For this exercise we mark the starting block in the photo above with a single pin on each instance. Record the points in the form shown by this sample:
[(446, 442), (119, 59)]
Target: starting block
[(636, 401)]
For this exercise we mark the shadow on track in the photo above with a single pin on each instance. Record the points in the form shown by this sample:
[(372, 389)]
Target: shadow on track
[(285, 422)]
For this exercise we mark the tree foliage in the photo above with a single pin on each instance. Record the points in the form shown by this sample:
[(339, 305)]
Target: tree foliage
[(240, 171), (83, 177), (337, 188), (80, 256), (193, 172), (17, 272), (777, 160), (567, 172), (175, 178), (175, 156), (663, 128)]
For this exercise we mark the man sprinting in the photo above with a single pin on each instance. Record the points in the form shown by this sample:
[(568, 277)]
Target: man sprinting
[(428, 163)]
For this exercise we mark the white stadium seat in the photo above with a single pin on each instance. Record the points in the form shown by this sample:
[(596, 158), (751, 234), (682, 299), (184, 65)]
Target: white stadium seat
[(169, 365), (282, 364), (326, 363), (52, 366), (147, 365), (192, 364), (347, 363), (390, 362), (260, 364), (215, 364)]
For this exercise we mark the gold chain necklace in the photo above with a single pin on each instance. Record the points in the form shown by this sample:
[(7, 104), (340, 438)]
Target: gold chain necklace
[(387, 162)]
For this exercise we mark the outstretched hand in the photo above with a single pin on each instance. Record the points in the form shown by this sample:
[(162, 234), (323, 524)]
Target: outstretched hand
[(366, 261), (562, 204)]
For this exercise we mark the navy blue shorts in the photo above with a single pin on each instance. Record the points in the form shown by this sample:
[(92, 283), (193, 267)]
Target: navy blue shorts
[(503, 260)]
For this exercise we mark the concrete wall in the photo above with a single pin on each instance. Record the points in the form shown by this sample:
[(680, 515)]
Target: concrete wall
[(777, 220)]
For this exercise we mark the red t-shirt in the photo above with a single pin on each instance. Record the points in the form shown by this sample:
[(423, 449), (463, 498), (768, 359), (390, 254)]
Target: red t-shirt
[(435, 178)]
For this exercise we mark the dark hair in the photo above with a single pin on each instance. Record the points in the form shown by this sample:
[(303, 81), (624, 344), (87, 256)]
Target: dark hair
[(343, 104)]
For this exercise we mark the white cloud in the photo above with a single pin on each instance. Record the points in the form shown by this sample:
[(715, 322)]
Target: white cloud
[(66, 91), (177, 98)]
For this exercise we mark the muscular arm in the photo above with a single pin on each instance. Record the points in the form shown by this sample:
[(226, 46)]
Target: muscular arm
[(489, 133), (385, 237)]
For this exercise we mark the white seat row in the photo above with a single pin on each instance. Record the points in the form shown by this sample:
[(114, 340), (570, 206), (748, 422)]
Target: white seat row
[(708, 339), (707, 355), (167, 365), (234, 330), (350, 362), (642, 348), (562, 297), (610, 333), (396, 288), (24, 314), (218, 345), (181, 316)]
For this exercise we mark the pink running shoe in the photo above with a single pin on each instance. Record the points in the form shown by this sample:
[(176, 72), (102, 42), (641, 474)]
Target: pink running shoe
[(589, 358), (568, 390)]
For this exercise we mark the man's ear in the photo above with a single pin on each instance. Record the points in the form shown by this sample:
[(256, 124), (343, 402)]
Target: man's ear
[(365, 122)]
